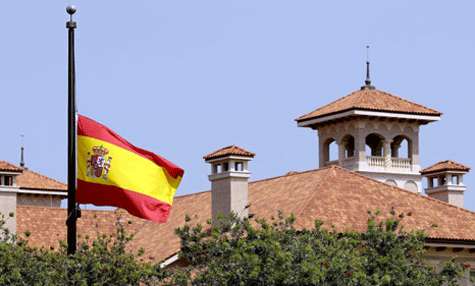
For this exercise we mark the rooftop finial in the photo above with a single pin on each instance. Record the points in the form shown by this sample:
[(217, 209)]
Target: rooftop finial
[(368, 79), (22, 151)]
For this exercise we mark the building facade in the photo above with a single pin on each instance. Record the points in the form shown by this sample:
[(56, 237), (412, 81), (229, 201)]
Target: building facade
[(371, 171)]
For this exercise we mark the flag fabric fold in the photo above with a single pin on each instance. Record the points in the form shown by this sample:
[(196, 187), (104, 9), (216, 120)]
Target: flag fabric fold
[(113, 172)]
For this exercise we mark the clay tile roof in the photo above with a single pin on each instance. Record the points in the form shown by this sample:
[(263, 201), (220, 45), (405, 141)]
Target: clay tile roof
[(47, 225), (7, 167), (34, 181), (333, 195), (227, 151), (371, 100), (447, 165)]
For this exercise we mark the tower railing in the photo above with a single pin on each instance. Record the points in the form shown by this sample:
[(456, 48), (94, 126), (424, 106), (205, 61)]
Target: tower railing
[(380, 161), (375, 161), (401, 163)]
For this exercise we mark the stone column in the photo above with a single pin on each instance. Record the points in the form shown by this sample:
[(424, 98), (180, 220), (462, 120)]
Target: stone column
[(448, 179), (387, 153), (341, 153), (360, 152), (321, 151), (415, 151)]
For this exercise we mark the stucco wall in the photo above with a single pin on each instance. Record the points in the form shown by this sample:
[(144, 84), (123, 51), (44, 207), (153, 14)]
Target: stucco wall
[(8, 201)]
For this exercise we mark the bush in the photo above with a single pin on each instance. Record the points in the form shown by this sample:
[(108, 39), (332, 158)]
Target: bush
[(236, 252), (102, 261), (239, 252)]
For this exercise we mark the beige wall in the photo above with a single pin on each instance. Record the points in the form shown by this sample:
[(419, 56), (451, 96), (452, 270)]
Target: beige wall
[(8, 201)]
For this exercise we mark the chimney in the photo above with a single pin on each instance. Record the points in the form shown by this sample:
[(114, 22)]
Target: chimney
[(445, 182), (229, 181)]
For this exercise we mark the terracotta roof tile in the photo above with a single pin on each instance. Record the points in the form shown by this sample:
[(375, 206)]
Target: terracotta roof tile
[(447, 165), (5, 166), (333, 195), (372, 100), (227, 151), (32, 180), (47, 225)]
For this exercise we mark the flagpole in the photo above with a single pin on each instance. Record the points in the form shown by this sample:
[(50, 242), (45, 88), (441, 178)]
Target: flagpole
[(72, 208)]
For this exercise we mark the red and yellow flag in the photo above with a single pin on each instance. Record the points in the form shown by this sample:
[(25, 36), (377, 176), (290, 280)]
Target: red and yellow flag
[(113, 172)]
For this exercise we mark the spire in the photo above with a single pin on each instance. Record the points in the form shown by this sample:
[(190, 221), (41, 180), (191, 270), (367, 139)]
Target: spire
[(368, 78), (22, 152)]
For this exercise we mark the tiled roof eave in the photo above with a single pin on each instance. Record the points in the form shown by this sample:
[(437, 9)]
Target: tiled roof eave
[(435, 172), (306, 118), (448, 240)]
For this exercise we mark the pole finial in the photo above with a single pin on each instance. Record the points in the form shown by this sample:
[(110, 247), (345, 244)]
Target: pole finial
[(368, 78), (71, 9)]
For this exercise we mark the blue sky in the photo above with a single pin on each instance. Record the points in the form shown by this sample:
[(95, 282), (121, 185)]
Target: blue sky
[(183, 78)]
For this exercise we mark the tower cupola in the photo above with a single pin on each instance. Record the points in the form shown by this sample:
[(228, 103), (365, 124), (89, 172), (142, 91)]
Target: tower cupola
[(372, 132)]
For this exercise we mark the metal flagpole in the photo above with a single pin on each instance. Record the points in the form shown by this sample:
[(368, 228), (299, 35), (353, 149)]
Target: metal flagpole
[(73, 210)]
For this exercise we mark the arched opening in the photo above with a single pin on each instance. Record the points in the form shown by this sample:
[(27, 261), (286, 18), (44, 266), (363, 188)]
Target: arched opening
[(374, 145), (401, 147), (411, 186), (349, 144), (330, 150), (391, 182)]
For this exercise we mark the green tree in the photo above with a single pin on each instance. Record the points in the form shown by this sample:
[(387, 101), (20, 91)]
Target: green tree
[(100, 261), (242, 252)]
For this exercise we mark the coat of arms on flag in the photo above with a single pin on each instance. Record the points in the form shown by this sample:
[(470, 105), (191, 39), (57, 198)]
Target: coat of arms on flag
[(99, 163)]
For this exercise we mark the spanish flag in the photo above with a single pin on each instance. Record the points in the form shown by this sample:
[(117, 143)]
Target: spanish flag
[(113, 172)]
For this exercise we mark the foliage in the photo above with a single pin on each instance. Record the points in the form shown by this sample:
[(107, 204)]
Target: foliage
[(241, 252), (102, 261), (236, 252)]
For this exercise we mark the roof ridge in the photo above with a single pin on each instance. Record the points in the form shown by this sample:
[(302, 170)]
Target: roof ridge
[(408, 101), (321, 107), (406, 191), (291, 174), (312, 196)]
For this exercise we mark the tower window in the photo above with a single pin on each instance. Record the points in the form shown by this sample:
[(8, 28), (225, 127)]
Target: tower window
[(330, 152), (401, 147), (374, 145), (7, 181), (238, 166), (455, 180), (225, 167)]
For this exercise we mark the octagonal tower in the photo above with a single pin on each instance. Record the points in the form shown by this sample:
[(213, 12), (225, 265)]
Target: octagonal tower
[(371, 128)]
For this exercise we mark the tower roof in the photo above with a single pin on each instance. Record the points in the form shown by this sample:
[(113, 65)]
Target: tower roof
[(367, 99), (229, 151), (7, 167), (447, 165)]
